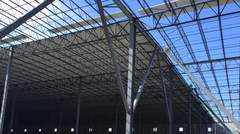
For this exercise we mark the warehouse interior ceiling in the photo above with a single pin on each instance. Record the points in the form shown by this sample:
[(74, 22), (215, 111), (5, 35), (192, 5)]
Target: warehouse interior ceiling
[(63, 50)]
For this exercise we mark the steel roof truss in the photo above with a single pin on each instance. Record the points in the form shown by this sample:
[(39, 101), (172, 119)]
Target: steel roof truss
[(113, 55)]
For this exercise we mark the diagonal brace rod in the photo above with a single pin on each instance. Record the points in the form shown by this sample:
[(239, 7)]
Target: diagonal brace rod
[(164, 89), (113, 55), (135, 102), (8, 29)]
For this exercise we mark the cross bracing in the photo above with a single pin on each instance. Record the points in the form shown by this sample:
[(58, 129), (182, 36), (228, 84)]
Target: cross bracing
[(65, 42)]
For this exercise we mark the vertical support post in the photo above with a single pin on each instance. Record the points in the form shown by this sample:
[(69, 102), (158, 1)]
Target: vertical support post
[(12, 113), (5, 92), (116, 119), (131, 74), (165, 94), (60, 118), (171, 101), (15, 122), (189, 113), (200, 118), (206, 130), (78, 107), (139, 121)]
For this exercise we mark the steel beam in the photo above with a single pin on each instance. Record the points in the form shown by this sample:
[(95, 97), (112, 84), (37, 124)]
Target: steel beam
[(78, 108), (5, 91), (209, 94), (213, 61), (113, 55), (131, 78), (144, 80), (138, 26), (165, 94), (123, 8), (8, 29)]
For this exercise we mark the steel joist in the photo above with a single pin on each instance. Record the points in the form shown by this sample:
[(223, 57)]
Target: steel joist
[(8, 29)]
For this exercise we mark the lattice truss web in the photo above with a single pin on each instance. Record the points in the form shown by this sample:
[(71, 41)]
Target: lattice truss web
[(202, 34)]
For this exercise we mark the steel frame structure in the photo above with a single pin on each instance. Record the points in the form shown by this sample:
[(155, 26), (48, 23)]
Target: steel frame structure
[(64, 45)]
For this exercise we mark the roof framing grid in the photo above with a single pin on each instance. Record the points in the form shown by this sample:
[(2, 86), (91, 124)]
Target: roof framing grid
[(66, 42), (200, 14)]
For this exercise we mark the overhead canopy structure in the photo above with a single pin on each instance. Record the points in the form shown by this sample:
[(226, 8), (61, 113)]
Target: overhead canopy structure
[(63, 50)]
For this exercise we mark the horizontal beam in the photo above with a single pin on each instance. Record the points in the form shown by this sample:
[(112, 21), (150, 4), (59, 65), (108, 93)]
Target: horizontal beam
[(163, 6), (8, 29), (13, 38), (180, 3), (214, 60), (87, 22)]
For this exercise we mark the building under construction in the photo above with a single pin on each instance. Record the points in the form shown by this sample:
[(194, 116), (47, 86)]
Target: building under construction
[(120, 66)]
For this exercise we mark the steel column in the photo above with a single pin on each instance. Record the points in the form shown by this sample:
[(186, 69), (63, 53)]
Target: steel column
[(12, 113), (8, 29), (60, 118), (144, 80), (113, 55), (200, 118), (116, 119), (78, 108), (131, 79), (171, 101), (139, 121), (189, 113), (138, 25), (16, 122), (5, 92), (165, 94)]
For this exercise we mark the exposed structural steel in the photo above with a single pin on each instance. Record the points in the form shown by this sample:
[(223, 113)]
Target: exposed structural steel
[(171, 101), (12, 113), (5, 91), (131, 78), (189, 113), (78, 108), (220, 106), (5, 31), (113, 55), (165, 94), (135, 102), (66, 42)]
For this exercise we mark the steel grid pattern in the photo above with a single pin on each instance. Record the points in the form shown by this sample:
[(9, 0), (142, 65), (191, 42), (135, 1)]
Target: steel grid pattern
[(202, 35)]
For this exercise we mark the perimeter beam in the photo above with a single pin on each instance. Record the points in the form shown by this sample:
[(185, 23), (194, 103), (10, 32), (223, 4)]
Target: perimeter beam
[(8, 29), (113, 55), (5, 92)]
